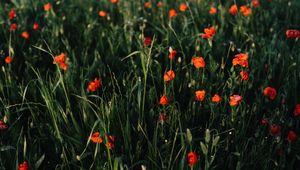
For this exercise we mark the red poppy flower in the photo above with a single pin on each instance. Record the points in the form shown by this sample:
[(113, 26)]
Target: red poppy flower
[(96, 138), (255, 3), (235, 100), (160, 4), (25, 35), (172, 13), (297, 110), (198, 62), (12, 14), (147, 41), (183, 7), (23, 166), (148, 5), (47, 7), (60, 60), (172, 54), (291, 136), (213, 10), (94, 85), (200, 95), (264, 121), (192, 158), (216, 98), (233, 10), (275, 129), (13, 27), (3, 126), (163, 117), (270, 92), (110, 141), (114, 1), (209, 32), (241, 59), (246, 11), (36, 26), (293, 33), (164, 100), (8, 59), (244, 75), (170, 75), (102, 13)]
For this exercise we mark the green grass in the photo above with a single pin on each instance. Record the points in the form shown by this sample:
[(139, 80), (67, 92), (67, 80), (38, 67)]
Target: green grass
[(51, 114)]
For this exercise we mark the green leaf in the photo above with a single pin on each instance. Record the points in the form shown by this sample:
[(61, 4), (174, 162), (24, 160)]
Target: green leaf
[(203, 148), (215, 140)]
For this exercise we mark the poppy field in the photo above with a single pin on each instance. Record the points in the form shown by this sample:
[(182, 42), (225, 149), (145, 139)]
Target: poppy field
[(149, 85)]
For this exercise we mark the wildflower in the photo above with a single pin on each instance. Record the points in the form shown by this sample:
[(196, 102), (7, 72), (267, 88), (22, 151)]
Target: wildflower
[(200, 95), (160, 4), (246, 11), (13, 27), (192, 158), (12, 14), (170, 75), (47, 6), (172, 53), (183, 7), (209, 32), (8, 59), (36, 26), (25, 35), (148, 5), (244, 75), (240, 59), (110, 141), (264, 121), (164, 100), (297, 110), (292, 33), (147, 41), (3, 126), (94, 85), (216, 98), (172, 13), (163, 117), (270, 92), (255, 3), (213, 10), (114, 1), (198, 62), (23, 166), (291, 136), (233, 10), (235, 100), (60, 60), (275, 129), (96, 138), (102, 13)]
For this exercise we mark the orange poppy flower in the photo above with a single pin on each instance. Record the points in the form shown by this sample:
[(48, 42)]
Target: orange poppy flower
[(96, 138), (148, 5), (233, 10), (60, 60), (8, 59), (23, 166), (25, 35), (183, 7), (235, 100), (209, 32), (12, 14), (170, 75), (246, 11), (216, 98), (172, 13), (36, 26), (13, 27), (198, 62), (94, 85), (213, 10), (160, 4), (114, 1), (110, 141), (255, 3), (244, 75), (47, 6), (102, 13), (164, 100), (270, 92), (192, 158), (172, 54), (241, 59), (200, 95)]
